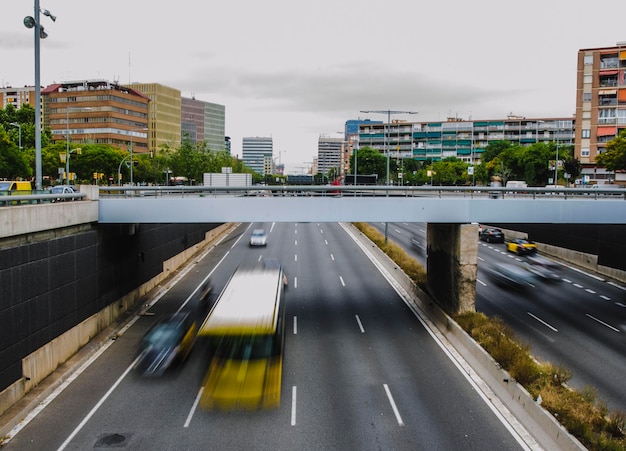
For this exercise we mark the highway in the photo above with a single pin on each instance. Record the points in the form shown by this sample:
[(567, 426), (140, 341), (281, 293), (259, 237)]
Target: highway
[(578, 322), (360, 370)]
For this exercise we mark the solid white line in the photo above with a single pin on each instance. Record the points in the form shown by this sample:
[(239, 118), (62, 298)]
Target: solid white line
[(293, 405), (593, 276), (393, 405), (358, 320), (193, 408), (543, 322), (602, 322), (295, 325), (98, 405), (342, 282), (617, 286)]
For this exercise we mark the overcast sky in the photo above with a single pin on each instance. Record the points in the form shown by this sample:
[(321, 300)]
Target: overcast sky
[(296, 70)]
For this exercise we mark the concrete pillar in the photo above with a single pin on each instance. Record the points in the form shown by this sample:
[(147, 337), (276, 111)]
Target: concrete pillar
[(452, 252)]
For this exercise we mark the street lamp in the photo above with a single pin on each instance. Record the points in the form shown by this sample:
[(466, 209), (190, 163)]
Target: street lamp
[(556, 161), (67, 139), (19, 131), (40, 33)]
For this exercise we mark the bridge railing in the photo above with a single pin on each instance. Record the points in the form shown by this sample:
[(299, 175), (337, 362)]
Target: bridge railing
[(39, 198), (361, 191)]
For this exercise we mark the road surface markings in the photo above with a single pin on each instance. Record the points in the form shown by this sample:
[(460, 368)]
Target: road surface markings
[(295, 257), (577, 285), (296, 242), (295, 325), (617, 286), (295, 282), (619, 304), (293, 405), (393, 405), (606, 298), (332, 257), (342, 282), (193, 408), (398, 231), (542, 322), (589, 290), (326, 242), (602, 322), (358, 320), (481, 282)]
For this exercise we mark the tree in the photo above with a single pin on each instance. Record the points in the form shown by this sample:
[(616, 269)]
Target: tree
[(614, 159), (13, 164), (370, 161)]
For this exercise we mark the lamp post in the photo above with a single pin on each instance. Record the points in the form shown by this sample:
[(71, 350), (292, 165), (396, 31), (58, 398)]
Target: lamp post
[(556, 161), (131, 151), (19, 131), (385, 129), (67, 139), (40, 33)]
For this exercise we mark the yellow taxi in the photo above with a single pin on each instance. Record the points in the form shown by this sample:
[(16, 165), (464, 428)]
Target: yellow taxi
[(521, 246)]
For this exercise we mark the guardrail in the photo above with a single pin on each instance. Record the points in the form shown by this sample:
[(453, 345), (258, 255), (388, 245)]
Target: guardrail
[(362, 191), (42, 198)]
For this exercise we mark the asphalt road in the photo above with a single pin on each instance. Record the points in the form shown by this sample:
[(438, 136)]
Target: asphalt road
[(578, 322), (360, 371)]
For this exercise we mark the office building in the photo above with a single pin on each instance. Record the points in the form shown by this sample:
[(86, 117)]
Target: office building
[(330, 156), (164, 115), (257, 153), (203, 122), (600, 105), (96, 112)]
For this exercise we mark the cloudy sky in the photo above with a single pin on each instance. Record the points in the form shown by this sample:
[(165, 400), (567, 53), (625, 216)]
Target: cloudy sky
[(296, 70)]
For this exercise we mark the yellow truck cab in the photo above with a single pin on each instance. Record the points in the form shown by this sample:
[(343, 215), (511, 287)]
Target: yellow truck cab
[(15, 187)]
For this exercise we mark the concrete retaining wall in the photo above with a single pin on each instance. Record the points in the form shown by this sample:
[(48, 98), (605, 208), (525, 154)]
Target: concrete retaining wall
[(41, 363)]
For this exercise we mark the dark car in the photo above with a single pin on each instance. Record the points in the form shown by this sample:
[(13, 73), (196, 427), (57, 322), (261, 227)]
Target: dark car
[(511, 276), (492, 235), (170, 340)]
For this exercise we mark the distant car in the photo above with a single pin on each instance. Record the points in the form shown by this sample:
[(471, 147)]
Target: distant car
[(511, 276), (544, 268), (491, 235), (170, 340), (63, 189), (258, 238), (521, 246)]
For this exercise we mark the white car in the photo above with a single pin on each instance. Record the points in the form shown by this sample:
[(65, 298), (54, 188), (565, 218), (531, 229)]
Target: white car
[(258, 238)]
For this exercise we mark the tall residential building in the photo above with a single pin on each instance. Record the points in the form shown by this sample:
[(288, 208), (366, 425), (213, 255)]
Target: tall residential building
[(330, 155), (164, 114), (600, 105), (459, 138), (256, 153), (96, 111), (203, 121), (17, 96)]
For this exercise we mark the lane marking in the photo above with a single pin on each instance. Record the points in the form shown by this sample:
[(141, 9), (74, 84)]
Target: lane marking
[(295, 325), (606, 298), (332, 257), (619, 304), (589, 290), (602, 322), (393, 405), (543, 322), (577, 285), (296, 242), (358, 320), (342, 282), (481, 282), (295, 282), (99, 404), (617, 286), (326, 242), (193, 408), (295, 257), (293, 405)]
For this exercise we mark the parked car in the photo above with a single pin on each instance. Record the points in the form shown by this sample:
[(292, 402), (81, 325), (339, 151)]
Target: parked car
[(491, 235), (64, 189), (170, 340), (521, 246), (258, 238)]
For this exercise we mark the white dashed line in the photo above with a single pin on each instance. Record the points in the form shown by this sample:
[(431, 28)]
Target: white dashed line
[(358, 320), (601, 322), (542, 322), (342, 282), (393, 405)]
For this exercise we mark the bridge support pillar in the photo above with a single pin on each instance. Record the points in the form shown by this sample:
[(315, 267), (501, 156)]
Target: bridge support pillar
[(452, 251)]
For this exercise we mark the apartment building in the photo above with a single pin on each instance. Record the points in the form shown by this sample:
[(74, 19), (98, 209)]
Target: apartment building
[(600, 105), (331, 155), (97, 112), (460, 138), (17, 96), (257, 153)]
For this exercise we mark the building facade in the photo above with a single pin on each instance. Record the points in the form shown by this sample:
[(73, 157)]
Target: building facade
[(96, 112), (257, 153), (459, 138), (17, 96), (330, 156), (164, 115), (600, 105), (203, 122)]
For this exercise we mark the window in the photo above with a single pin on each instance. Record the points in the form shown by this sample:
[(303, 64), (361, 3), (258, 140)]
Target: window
[(588, 60), (586, 133), (586, 97), (587, 79), (584, 152)]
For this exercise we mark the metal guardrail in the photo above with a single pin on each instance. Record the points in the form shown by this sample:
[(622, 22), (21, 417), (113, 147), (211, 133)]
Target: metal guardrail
[(40, 198), (362, 191)]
